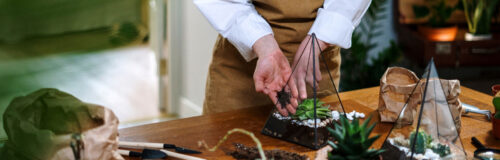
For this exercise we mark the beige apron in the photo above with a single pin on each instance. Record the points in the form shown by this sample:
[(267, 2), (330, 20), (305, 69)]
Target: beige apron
[(230, 82)]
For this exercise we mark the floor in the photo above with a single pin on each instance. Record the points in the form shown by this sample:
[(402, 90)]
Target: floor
[(122, 79)]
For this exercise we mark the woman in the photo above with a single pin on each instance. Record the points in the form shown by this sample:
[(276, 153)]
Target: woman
[(259, 38)]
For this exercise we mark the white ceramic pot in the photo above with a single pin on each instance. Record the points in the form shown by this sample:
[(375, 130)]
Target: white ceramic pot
[(477, 37)]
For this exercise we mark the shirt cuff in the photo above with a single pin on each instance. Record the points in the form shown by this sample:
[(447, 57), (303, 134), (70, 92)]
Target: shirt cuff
[(246, 32), (333, 28)]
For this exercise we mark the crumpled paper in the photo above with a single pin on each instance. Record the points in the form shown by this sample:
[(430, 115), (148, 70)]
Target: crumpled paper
[(396, 86), (41, 125)]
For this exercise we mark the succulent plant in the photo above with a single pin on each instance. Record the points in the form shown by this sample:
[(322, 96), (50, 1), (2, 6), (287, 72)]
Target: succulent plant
[(353, 141), (305, 110), (441, 149), (422, 142)]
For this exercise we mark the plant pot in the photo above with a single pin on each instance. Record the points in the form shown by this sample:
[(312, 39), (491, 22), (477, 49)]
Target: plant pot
[(439, 34), (495, 89), (477, 37), (496, 127)]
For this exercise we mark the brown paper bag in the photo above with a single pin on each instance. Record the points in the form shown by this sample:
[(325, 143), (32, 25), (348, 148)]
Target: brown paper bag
[(396, 86)]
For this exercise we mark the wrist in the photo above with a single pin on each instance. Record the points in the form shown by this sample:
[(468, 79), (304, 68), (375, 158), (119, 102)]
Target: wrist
[(266, 46)]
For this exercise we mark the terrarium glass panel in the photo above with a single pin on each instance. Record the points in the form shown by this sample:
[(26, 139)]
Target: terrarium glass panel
[(307, 126), (425, 130)]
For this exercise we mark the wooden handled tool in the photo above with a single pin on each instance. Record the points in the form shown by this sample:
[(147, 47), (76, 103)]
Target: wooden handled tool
[(180, 156)]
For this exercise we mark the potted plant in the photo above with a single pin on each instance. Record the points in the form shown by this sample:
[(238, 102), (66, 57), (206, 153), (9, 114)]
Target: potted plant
[(438, 13), (496, 116), (478, 14), (352, 141)]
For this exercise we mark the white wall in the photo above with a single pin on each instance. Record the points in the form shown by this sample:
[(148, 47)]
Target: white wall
[(195, 40)]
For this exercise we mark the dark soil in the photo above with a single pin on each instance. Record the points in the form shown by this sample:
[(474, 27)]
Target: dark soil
[(251, 153), (299, 134), (392, 152)]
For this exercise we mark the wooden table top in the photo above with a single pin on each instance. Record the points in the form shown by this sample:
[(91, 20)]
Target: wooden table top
[(187, 132)]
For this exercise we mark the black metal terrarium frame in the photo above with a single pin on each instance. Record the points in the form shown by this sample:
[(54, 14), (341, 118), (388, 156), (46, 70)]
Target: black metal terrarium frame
[(312, 137)]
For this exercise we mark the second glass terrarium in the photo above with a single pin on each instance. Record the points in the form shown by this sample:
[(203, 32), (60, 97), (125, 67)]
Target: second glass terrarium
[(427, 130)]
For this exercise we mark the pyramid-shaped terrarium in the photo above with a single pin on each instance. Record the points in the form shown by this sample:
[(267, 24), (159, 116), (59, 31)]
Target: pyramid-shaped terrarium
[(426, 130), (307, 126)]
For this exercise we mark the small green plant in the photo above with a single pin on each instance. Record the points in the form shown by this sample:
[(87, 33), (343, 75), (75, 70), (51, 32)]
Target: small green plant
[(437, 10), (442, 150), (496, 103), (424, 141), (306, 110), (478, 14), (353, 141)]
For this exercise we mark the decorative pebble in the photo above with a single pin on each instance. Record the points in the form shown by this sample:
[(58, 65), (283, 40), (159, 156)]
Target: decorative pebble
[(355, 114), (335, 115), (429, 154)]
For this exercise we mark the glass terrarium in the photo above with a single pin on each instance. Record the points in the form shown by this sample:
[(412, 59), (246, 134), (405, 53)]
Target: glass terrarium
[(307, 126), (426, 130)]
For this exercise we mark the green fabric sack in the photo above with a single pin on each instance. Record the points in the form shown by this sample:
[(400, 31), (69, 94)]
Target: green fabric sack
[(43, 124)]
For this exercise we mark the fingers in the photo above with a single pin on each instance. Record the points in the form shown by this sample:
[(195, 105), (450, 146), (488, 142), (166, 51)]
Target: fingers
[(259, 83), (318, 72), (290, 108), (310, 80), (302, 88), (280, 109), (293, 88)]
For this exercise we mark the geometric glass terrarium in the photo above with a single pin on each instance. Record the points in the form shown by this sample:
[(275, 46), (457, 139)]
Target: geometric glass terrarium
[(307, 127), (426, 130)]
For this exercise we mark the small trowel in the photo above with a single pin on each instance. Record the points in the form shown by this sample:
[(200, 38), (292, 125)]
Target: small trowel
[(473, 109)]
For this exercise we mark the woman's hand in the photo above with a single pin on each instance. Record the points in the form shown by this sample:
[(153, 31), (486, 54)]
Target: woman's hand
[(304, 65), (272, 72)]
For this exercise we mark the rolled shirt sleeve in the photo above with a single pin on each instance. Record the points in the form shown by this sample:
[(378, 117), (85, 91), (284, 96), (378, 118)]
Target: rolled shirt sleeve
[(236, 20), (337, 19)]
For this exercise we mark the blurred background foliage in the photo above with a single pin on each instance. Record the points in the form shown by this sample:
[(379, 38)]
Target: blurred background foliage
[(359, 70)]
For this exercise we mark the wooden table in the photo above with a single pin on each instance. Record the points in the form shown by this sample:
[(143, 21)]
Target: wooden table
[(187, 132)]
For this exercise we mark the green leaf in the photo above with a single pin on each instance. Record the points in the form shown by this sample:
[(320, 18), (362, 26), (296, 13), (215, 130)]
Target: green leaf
[(334, 146), (310, 114), (420, 11), (496, 103)]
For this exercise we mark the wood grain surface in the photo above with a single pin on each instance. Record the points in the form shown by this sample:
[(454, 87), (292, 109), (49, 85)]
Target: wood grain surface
[(210, 128)]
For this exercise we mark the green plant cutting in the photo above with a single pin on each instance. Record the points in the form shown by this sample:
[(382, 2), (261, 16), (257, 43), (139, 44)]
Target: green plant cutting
[(353, 141), (437, 10), (305, 110), (496, 103), (478, 14)]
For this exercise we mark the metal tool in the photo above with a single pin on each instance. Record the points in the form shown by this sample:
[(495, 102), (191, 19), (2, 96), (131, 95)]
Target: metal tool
[(483, 152), (156, 146), (473, 109), (145, 154)]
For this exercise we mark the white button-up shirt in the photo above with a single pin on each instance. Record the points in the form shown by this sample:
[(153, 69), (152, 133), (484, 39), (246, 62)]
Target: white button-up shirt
[(239, 22)]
